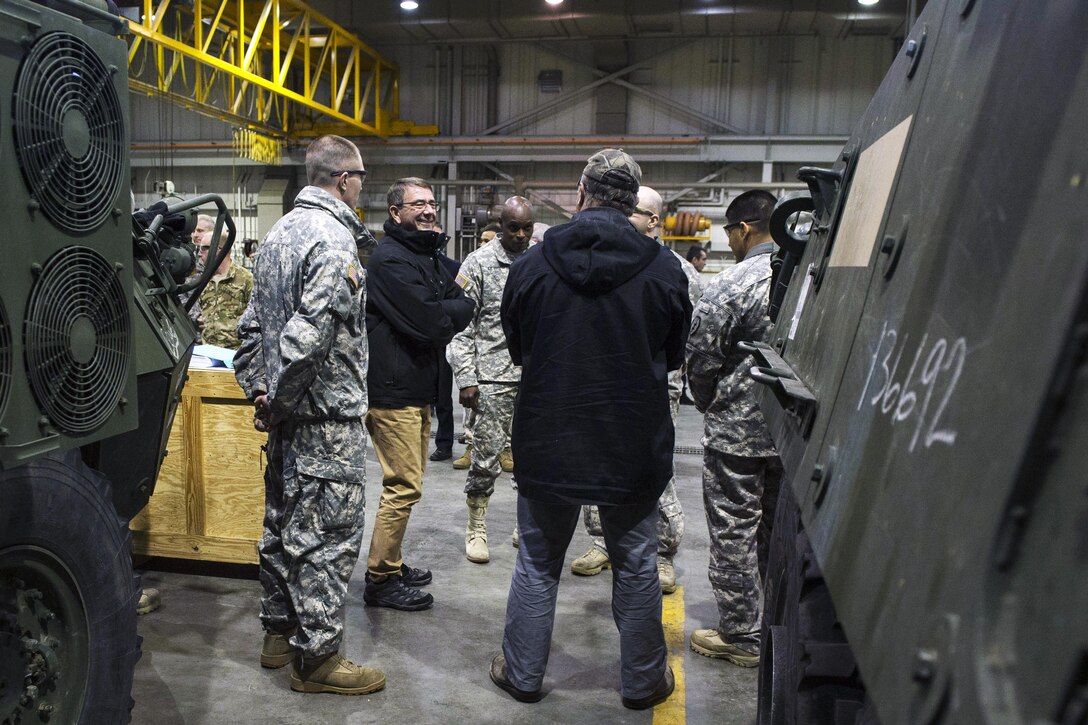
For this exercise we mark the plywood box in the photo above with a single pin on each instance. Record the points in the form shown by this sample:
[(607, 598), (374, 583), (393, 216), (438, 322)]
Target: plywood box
[(209, 500)]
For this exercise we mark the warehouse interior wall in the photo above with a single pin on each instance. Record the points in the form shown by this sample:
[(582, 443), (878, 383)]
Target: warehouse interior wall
[(689, 94)]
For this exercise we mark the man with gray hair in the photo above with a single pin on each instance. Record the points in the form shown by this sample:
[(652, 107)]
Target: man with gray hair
[(646, 218), (597, 314), (413, 310), (303, 363), (225, 298)]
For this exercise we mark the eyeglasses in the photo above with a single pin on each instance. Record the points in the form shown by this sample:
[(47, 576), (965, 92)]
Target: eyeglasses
[(421, 205), (202, 249), (360, 172), (644, 212), (727, 227)]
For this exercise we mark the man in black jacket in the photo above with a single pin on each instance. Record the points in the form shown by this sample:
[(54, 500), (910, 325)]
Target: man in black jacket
[(596, 316), (443, 406), (413, 310)]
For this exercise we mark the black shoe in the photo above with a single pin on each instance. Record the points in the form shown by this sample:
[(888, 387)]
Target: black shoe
[(393, 593), (498, 676), (441, 454), (658, 696), (413, 577)]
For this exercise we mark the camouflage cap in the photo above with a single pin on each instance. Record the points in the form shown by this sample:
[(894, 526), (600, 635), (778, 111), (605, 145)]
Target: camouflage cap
[(615, 168)]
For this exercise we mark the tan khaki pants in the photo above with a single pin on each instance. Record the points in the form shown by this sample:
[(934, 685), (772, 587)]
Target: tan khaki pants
[(401, 437)]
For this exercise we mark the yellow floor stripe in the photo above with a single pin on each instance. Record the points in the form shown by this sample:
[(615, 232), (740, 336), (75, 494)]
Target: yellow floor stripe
[(674, 710)]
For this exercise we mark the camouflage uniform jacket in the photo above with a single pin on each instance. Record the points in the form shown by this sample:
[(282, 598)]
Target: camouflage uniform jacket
[(695, 282), (695, 291), (733, 309), (303, 334), (223, 301), (478, 354)]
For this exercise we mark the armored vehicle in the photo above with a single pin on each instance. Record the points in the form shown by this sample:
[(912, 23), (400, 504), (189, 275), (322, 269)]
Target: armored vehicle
[(927, 391), (94, 346)]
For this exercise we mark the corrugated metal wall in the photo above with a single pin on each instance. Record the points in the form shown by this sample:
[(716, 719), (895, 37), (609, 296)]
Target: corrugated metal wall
[(789, 85), (801, 85)]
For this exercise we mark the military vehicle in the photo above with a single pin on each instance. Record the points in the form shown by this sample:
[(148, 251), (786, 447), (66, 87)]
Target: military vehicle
[(94, 346), (926, 387)]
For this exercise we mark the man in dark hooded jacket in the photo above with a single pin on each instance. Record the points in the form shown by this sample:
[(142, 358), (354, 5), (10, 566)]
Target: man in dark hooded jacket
[(596, 315), (413, 309)]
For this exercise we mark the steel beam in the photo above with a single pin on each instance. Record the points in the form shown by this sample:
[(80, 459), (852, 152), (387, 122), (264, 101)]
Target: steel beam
[(815, 150), (709, 177), (671, 104), (234, 59), (565, 98)]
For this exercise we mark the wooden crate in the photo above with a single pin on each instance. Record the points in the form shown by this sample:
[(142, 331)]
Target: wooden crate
[(209, 500)]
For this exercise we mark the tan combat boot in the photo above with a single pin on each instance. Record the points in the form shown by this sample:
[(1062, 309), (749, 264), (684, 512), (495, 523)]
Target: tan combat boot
[(709, 643), (149, 601), (591, 563), (465, 460), (335, 674), (666, 574), (277, 650), (476, 534), (506, 460)]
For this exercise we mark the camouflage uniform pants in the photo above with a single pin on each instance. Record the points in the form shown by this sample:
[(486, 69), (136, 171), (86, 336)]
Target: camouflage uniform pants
[(670, 523), (670, 517), (468, 422), (490, 436), (313, 528), (739, 494)]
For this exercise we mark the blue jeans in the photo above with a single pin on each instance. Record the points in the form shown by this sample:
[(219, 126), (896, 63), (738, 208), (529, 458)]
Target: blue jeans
[(546, 530)]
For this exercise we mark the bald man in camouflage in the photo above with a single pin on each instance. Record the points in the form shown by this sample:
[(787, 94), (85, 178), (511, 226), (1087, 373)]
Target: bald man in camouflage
[(482, 369)]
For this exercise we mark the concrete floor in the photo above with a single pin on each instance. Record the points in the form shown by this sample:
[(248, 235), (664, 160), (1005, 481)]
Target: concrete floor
[(200, 649)]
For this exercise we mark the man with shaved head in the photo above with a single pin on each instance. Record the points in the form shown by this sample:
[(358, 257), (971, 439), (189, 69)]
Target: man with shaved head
[(303, 363), (646, 218), (482, 369)]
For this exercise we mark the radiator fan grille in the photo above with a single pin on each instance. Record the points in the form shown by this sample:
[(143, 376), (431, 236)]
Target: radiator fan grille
[(69, 132), (76, 335), (5, 360)]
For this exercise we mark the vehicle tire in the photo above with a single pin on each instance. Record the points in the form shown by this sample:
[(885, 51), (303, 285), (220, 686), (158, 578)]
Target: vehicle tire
[(807, 671), (66, 563)]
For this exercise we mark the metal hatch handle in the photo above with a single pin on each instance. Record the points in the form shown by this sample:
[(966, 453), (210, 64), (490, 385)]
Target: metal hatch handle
[(775, 373)]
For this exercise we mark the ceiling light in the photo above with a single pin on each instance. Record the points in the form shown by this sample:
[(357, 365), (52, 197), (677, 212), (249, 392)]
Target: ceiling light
[(553, 2), (868, 2), (408, 5)]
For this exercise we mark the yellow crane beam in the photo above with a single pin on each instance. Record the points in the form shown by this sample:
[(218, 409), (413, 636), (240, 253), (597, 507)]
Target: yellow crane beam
[(276, 66)]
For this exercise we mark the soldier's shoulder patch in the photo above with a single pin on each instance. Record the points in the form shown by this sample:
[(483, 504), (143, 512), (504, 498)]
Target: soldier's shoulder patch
[(462, 280), (353, 276)]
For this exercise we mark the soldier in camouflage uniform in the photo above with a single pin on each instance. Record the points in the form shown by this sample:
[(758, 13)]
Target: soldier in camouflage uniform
[(670, 526), (482, 368), (225, 298), (303, 362), (204, 225), (741, 472)]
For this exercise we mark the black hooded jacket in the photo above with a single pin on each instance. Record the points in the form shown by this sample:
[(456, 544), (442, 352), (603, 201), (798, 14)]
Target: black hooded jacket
[(596, 315), (413, 309)]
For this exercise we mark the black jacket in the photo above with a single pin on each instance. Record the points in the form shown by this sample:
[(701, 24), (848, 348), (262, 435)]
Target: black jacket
[(596, 315), (413, 308)]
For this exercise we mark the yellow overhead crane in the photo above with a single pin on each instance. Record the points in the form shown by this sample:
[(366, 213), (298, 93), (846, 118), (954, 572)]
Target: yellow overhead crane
[(274, 66)]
